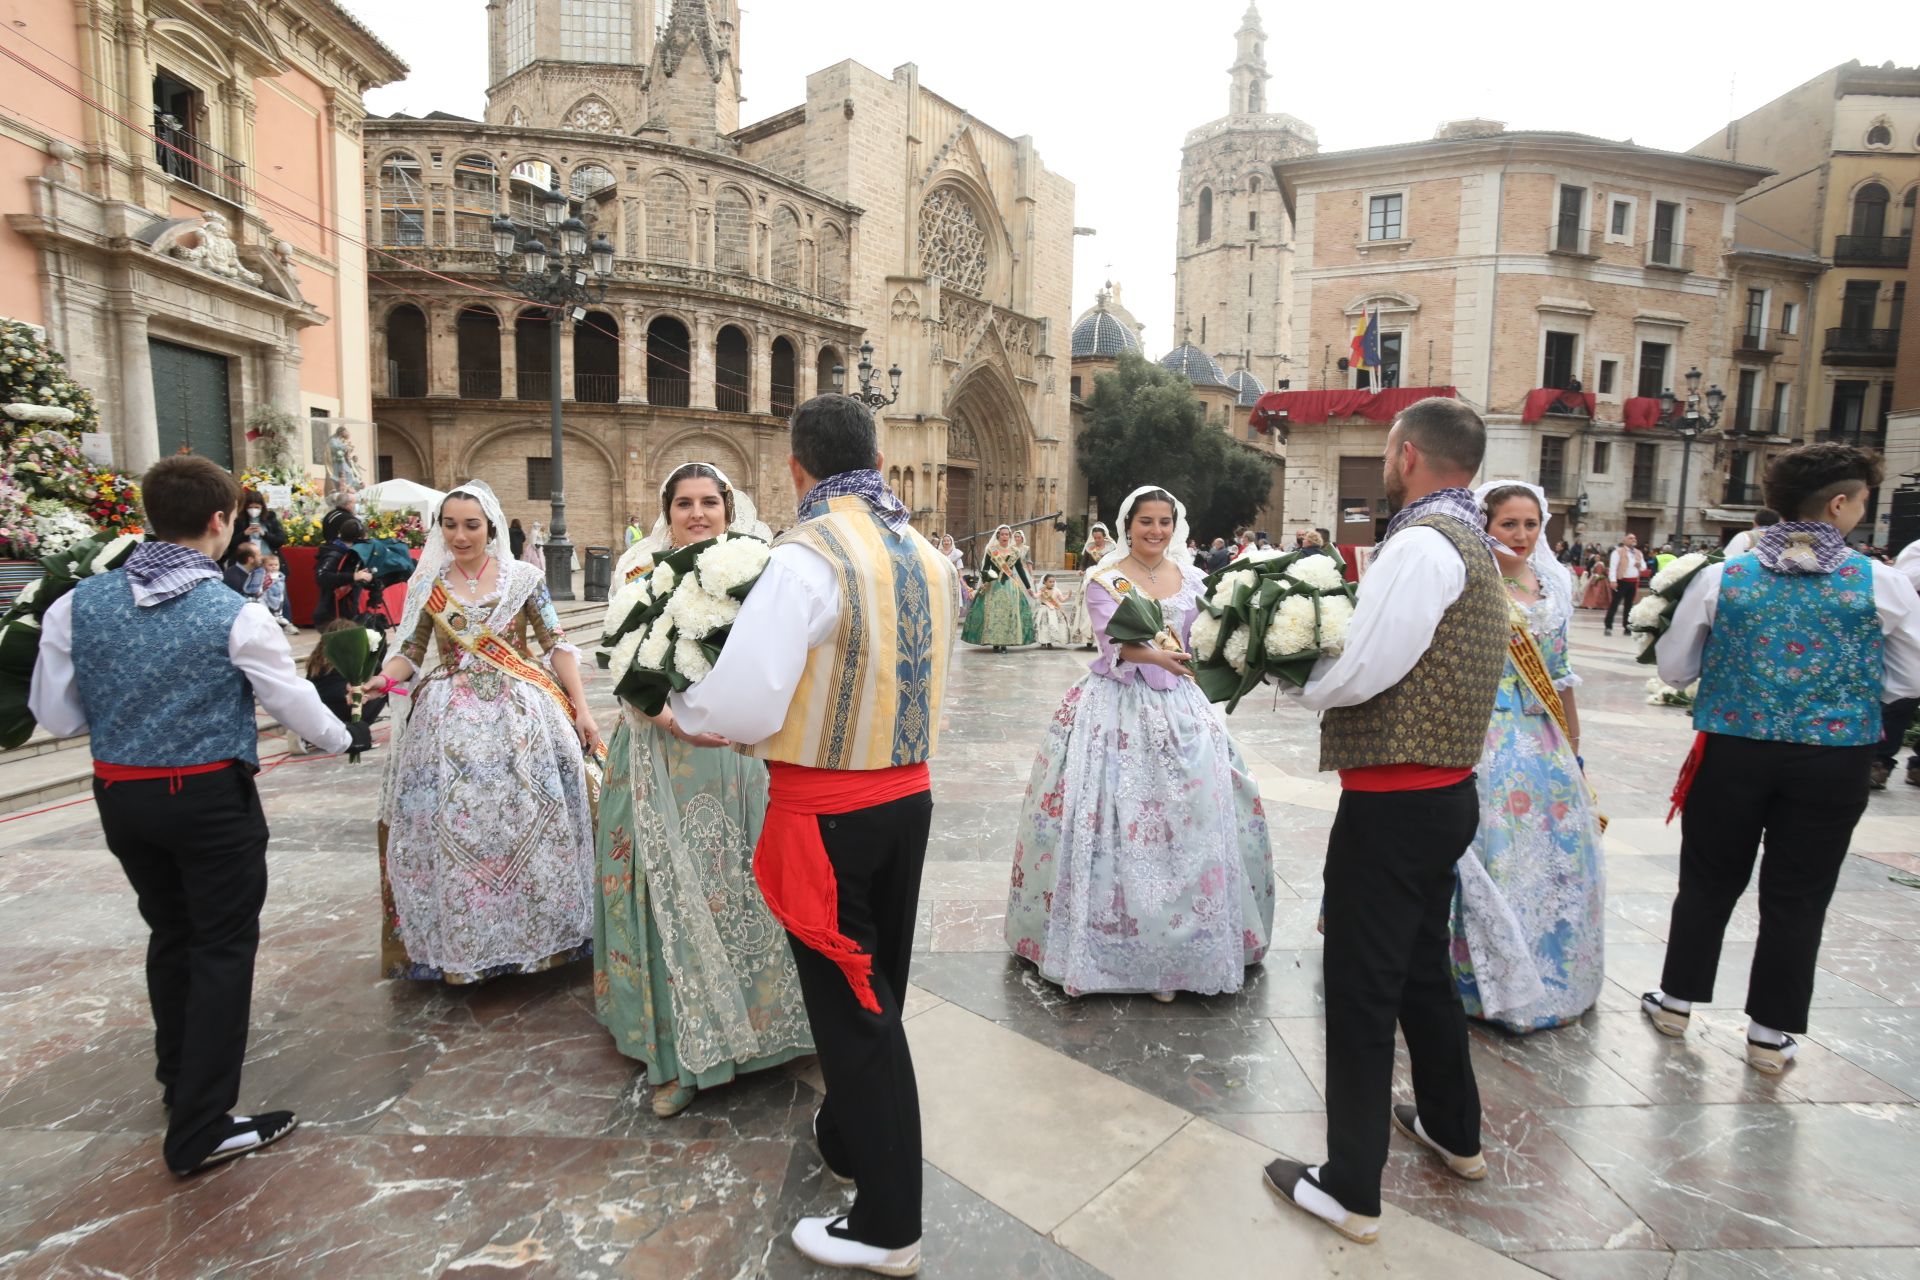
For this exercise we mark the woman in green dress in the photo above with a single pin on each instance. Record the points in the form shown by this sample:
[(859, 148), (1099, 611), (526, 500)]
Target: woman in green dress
[(691, 974), (1002, 612)]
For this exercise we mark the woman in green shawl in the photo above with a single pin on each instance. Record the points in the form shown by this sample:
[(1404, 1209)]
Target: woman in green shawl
[(1002, 611)]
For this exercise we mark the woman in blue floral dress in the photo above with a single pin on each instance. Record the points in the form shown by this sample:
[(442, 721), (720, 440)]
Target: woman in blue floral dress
[(1527, 916), (1141, 861)]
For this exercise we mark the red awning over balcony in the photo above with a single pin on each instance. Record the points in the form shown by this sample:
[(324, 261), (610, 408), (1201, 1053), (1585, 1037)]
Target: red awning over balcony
[(1311, 408), (1545, 400), (1640, 413)]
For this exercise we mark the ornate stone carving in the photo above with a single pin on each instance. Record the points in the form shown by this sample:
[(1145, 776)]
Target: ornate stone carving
[(592, 115), (953, 245), (960, 441), (906, 307), (516, 118), (216, 253)]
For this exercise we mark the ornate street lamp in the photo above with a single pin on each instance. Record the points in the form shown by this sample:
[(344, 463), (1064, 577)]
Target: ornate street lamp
[(1689, 424), (558, 280), (868, 394)]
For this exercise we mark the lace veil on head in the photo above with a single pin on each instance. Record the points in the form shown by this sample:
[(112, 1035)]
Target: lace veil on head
[(1556, 583), (1177, 549), (435, 556), (659, 539)]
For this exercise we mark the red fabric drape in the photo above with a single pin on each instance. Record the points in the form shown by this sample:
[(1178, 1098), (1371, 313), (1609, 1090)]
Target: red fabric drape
[(790, 862), (1542, 399), (1640, 413), (1311, 408)]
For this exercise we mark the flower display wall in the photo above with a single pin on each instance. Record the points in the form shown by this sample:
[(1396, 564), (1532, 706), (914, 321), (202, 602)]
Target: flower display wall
[(51, 496)]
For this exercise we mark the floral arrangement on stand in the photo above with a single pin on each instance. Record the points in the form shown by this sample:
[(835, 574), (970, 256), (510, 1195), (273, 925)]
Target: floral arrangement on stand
[(36, 391), (51, 496), (665, 629), (1649, 619), (398, 526), (1271, 614), (20, 624)]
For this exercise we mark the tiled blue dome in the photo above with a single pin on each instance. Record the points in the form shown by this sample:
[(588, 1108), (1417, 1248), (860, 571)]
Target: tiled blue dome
[(1249, 387), (1195, 365), (1101, 333)]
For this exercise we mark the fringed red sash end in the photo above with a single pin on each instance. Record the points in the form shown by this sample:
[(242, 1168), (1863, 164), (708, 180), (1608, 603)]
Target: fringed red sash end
[(1688, 767)]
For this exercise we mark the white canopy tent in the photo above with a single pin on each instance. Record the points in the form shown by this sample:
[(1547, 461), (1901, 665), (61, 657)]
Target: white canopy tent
[(399, 495)]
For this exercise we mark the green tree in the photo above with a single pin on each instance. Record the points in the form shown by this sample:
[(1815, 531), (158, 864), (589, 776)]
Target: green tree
[(1145, 427)]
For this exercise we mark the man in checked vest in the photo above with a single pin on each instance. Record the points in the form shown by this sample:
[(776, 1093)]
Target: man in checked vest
[(834, 671), (1406, 709)]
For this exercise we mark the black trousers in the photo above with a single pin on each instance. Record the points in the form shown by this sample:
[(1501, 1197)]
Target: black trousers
[(870, 1123), (1800, 801), (195, 852), (1623, 593), (1389, 892), (1896, 718)]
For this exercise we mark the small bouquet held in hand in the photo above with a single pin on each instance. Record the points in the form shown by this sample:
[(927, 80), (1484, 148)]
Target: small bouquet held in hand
[(1139, 619), (1649, 619), (20, 624), (665, 630), (1270, 614), (357, 653)]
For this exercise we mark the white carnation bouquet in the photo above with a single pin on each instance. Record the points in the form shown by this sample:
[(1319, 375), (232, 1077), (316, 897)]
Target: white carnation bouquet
[(1652, 614), (20, 624), (665, 629), (1269, 614)]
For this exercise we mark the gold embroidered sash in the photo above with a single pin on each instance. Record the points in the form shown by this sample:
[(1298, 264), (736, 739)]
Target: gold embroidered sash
[(486, 645), (1533, 669)]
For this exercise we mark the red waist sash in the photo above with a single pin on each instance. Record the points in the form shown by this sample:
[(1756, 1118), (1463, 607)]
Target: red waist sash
[(112, 773), (1401, 777), (791, 865)]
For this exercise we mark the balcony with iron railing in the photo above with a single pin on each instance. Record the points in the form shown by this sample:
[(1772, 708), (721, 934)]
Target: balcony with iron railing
[(198, 163), (596, 388), (479, 384), (1853, 346), (1871, 251), (1741, 493), (1764, 344), (1669, 255), (532, 384), (783, 399), (730, 397), (1645, 490), (1572, 240), (406, 384), (1554, 482), (668, 392)]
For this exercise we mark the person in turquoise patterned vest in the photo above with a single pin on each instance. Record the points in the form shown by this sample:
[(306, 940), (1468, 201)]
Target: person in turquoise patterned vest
[(159, 662), (1795, 644)]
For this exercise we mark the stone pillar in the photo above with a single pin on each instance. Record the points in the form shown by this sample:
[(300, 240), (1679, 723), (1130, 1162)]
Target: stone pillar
[(808, 374), (760, 397), (443, 446), (139, 443), (509, 357), (701, 392), (443, 350), (703, 253), (633, 357), (281, 383), (565, 371)]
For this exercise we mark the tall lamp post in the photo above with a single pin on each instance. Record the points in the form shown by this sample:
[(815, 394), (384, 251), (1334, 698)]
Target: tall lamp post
[(557, 279), (868, 394), (1689, 424)]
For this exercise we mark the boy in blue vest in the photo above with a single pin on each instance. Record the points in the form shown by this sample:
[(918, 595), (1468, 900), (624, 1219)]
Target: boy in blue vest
[(160, 663), (1796, 644)]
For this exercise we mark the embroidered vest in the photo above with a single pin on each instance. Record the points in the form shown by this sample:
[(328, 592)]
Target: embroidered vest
[(1793, 657), (1437, 715), (157, 685), (870, 697)]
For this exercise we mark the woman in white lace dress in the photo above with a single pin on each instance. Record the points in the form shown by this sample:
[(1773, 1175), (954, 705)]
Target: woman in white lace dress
[(1098, 544), (486, 838), (691, 973)]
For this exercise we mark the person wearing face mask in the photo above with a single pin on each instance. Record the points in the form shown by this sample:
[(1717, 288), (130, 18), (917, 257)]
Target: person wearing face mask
[(1142, 861), (257, 524), (486, 836), (691, 973), (1528, 913)]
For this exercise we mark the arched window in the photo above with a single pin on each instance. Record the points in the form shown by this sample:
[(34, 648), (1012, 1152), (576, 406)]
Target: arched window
[(668, 222), (953, 242), (477, 338), (589, 179), (1205, 232), (1253, 185), (532, 356), (406, 351), (669, 363), (732, 371), (1254, 106), (476, 199), (786, 371), (786, 246), (596, 358), (1879, 136), (402, 201), (526, 184), (833, 261), (823, 371), (1870, 210), (732, 232)]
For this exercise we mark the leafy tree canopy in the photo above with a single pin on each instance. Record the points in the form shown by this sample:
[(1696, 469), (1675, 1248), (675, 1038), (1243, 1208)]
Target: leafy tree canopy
[(1145, 427)]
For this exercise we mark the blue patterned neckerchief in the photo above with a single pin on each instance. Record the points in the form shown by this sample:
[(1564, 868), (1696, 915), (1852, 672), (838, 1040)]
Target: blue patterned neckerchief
[(1456, 502), (1801, 546), (868, 484), (159, 571)]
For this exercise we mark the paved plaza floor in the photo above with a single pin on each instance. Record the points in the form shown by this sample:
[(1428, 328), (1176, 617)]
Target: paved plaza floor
[(494, 1131)]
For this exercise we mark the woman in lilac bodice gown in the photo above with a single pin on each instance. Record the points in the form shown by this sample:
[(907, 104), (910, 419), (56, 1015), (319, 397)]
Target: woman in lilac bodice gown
[(1141, 861)]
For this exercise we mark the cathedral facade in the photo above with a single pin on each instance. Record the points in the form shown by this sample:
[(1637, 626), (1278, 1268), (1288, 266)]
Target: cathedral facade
[(750, 264)]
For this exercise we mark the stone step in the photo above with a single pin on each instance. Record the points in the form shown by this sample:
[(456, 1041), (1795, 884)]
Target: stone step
[(46, 769)]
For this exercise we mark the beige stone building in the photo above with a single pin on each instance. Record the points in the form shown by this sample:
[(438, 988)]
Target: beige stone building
[(184, 238), (749, 263), (1845, 148), (1505, 264)]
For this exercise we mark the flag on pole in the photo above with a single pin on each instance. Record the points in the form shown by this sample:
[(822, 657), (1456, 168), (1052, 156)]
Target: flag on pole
[(1366, 341)]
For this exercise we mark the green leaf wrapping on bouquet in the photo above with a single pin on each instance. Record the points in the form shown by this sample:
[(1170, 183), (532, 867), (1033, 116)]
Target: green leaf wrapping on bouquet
[(647, 689), (1137, 620), (352, 653), (1218, 681)]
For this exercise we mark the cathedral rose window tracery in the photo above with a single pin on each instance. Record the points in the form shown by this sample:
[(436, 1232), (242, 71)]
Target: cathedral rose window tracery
[(953, 245), (593, 116)]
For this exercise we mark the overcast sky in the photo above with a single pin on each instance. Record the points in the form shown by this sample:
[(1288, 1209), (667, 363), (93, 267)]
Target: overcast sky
[(1108, 90)]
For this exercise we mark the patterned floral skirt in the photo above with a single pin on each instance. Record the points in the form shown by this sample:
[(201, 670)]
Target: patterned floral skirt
[(486, 857), (691, 972), (1000, 614), (1142, 861)]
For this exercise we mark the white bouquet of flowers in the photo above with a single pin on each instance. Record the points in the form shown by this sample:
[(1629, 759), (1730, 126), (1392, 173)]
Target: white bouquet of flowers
[(665, 629), (20, 624), (1270, 614), (1650, 617)]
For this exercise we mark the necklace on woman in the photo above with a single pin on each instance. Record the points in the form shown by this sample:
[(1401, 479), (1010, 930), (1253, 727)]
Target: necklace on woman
[(473, 579), (1152, 571)]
